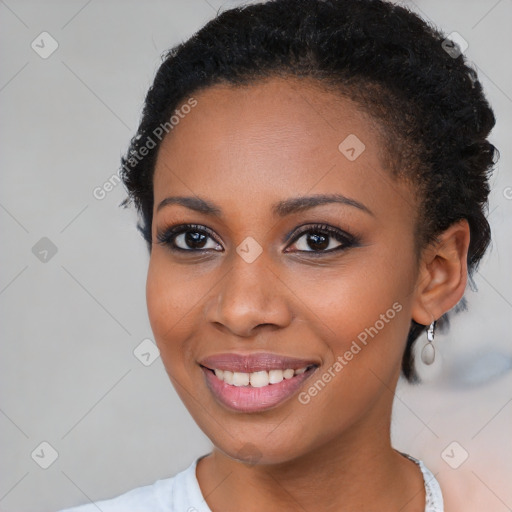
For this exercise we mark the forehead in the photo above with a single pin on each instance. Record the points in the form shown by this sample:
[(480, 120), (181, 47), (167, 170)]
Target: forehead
[(270, 140)]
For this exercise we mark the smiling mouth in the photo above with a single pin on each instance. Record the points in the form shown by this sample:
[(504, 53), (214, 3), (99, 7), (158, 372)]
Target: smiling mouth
[(267, 382), (258, 379), (255, 382)]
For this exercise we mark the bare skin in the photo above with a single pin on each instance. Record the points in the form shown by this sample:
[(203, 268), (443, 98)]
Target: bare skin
[(244, 149)]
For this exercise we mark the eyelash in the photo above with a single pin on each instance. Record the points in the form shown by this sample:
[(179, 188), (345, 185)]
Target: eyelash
[(166, 237)]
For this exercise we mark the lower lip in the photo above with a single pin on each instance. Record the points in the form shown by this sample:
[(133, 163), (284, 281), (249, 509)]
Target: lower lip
[(250, 399)]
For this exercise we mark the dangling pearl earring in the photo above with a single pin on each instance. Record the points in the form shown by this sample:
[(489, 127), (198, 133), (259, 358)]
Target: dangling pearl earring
[(428, 353)]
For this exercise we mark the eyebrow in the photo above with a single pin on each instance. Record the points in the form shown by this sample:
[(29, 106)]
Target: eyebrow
[(280, 209)]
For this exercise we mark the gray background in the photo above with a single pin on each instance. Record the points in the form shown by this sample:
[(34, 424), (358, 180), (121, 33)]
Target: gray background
[(70, 324)]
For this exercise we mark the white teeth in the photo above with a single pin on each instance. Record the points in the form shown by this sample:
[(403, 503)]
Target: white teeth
[(288, 374), (228, 377), (275, 376), (240, 379), (257, 379)]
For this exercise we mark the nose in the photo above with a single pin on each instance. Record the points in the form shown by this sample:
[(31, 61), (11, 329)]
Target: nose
[(252, 297)]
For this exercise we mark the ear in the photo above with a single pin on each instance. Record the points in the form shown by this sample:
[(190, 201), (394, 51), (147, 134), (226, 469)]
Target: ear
[(442, 275)]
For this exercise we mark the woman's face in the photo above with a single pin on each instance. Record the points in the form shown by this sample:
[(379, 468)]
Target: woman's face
[(267, 282)]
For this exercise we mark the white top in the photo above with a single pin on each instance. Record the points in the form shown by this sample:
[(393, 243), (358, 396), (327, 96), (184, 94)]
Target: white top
[(182, 493)]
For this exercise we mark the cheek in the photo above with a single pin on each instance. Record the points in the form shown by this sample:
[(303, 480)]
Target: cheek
[(367, 303), (359, 305), (366, 309), (170, 301)]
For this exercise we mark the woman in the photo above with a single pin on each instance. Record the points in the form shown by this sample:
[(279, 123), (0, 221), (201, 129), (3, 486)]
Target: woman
[(311, 178)]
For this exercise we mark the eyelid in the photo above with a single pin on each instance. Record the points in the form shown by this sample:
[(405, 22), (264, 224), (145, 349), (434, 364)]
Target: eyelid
[(164, 236), (344, 238), (312, 226)]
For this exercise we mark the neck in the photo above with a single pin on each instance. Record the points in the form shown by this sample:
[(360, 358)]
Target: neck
[(356, 471)]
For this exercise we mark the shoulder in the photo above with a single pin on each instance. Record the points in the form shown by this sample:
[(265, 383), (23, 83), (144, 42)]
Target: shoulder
[(434, 497), (166, 495), (140, 499)]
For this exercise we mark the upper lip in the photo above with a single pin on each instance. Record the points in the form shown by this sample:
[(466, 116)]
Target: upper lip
[(248, 363)]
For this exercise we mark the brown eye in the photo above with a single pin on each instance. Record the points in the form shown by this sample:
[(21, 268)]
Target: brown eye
[(188, 238), (323, 238)]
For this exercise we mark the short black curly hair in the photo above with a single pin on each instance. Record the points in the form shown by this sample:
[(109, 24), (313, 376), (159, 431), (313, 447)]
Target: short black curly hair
[(397, 67)]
